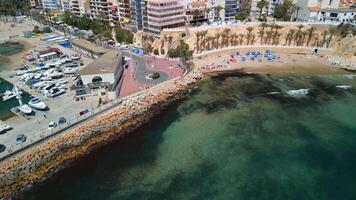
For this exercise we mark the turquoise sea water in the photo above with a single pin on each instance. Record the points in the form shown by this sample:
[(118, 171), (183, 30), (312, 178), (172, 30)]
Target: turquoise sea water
[(5, 106), (229, 140), (8, 49)]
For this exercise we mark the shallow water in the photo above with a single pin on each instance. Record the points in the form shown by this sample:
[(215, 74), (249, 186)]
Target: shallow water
[(229, 140), (8, 49), (5, 106)]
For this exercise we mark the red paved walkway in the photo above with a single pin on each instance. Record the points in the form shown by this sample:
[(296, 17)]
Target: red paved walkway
[(131, 85)]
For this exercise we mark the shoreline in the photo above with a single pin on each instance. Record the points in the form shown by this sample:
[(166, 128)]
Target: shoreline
[(14, 60), (37, 162)]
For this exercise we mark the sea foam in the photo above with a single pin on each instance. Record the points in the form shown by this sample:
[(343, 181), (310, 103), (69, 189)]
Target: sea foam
[(299, 92)]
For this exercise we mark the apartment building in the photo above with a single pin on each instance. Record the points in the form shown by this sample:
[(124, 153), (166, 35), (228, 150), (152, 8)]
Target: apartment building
[(36, 4), (65, 5), (164, 14), (309, 8), (344, 15), (99, 9), (113, 12), (230, 9), (197, 12), (130, 14), (51, 4), (268, 10), (79, 7)]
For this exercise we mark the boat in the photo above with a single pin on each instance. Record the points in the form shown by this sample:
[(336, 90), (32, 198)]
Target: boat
[(25, 109), (55, 92), (11, 94), (75, 57), (37, 104), (4, 127), (69, 71), (56, 75), (7, 95)]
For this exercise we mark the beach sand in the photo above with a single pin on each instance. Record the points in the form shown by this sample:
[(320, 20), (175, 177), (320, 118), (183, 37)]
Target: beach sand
[(6, 31), (289, 61), (16, 59)]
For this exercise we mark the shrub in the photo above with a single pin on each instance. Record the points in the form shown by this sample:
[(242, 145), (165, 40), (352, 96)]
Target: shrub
[(156, 52)]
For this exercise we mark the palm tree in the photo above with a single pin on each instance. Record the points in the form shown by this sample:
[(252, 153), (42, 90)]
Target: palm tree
[(332, 31), (260, 34), (198, 36), (310, 34), (300, 26), (292, 32), (261, 4), (225, 35), (249, 31), (316, 40), (203, 35), (252, 40), (263, 26), (324, 38), (276, 32), (268, 37), (241, 37), (217, 37), (218, 9)]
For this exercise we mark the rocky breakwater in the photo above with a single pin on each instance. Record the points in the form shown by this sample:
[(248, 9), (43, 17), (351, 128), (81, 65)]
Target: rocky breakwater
[(41, 160)]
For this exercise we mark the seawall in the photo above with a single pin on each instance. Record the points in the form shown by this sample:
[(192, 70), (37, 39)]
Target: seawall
[(39, 161)]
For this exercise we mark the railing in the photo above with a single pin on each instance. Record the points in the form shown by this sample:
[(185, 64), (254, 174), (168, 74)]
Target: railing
[(45, 134)]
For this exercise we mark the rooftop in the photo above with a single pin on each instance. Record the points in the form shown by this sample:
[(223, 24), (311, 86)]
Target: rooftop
[(339, 10), (314, 8), (89, 46), (106, 64)]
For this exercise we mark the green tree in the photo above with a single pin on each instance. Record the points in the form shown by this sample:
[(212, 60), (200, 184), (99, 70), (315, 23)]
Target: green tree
[(283, 11), (156, 52), (241, 16), (261, 5), (123, 35), (36, 29), (181, 51)]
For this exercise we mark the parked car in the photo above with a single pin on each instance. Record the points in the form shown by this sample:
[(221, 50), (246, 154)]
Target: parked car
[(52, 125), (62, 120), (2, 148), (20, 139)]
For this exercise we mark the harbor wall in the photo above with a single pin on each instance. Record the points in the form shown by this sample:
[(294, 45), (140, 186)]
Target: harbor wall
[(41, 160)]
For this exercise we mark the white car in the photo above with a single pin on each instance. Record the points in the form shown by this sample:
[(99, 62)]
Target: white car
[(124, 47), (52, 125)]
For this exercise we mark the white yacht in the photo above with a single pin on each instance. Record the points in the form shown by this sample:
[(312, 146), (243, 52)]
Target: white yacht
[(25, 109), (4, 127), (37, 104), (69, 70), (8, 95), (55, 92), (11, 94)]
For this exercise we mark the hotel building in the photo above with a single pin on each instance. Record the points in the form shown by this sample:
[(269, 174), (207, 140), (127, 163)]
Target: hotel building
[(164, 14)]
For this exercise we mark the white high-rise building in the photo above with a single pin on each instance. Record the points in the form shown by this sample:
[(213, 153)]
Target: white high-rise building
[(79, 7), (164, 14), (309, 8), (51, 4)]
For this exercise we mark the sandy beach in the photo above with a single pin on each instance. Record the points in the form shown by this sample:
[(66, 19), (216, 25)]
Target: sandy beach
[(289, 60), (16, 59), (16, 31)]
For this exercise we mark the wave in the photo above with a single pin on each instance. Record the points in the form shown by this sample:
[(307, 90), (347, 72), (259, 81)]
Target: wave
[(345, 87), (272, 93), (299, 92)]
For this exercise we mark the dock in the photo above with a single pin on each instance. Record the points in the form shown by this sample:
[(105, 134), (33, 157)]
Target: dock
[(19, 113)]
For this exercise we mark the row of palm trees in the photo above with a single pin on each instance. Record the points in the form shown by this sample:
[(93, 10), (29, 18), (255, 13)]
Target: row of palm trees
[(266, 34)]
